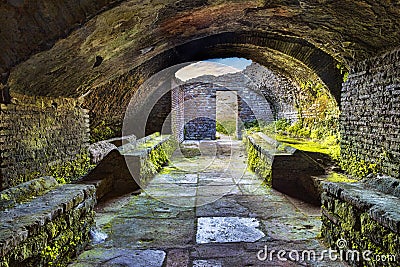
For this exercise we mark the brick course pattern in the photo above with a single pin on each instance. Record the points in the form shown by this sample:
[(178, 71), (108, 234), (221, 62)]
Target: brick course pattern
[(200, 112), (370, 119), (37, 133)]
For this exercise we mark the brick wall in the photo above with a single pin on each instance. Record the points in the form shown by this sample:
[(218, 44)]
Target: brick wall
[(253, 106), (200, 111), (37, 133), (370, 119), (177, 113)]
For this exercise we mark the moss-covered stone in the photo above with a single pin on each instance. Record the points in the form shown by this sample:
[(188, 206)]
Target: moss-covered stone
[(258, 162), (48, 233), (26, 191), (345, 218)]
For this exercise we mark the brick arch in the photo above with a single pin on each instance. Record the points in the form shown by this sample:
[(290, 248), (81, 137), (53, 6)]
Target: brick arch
[(122, 88)]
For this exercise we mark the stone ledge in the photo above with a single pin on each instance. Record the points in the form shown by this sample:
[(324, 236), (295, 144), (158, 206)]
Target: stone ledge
[(271, 159), (26, 220), (366, 214), (381, 206), (23, 192)]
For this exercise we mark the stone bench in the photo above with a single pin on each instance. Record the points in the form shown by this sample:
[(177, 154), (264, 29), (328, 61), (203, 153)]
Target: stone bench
[(285, 168), (44, 223), (366, 215), (130, 166)]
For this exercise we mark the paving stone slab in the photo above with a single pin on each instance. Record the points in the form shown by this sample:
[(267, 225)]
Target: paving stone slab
[(224, 207), (227, 230), (197, 220), (121, 257), (148, 233), (291, 229)]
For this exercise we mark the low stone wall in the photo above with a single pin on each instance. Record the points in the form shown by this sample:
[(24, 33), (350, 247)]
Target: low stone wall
[(285, 168), (130, 166), (43, 223), (260, 154), (147, 158), (362, 217)]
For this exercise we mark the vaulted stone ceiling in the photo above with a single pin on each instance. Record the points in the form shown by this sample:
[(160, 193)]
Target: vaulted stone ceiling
[(131, 40)]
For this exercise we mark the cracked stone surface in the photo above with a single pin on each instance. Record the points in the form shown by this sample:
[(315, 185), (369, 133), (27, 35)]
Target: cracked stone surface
[(203, 212)]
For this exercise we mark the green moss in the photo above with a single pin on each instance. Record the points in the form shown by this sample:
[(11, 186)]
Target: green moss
[(339, 178), (169, 169), (53, 244), (102, 132), (4, 197), (357, 167), (257, 163), (303, 144), (156, 159), (344, 71), (71, 170)]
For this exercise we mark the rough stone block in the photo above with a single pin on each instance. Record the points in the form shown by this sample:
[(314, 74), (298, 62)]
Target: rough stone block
[(42, 231)]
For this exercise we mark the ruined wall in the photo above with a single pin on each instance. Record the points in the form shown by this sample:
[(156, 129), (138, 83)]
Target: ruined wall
[(276, 89), (38, 136), (370, 119), (252, 103), (177, 113), (159, 119), (200, 111), (254, 106)]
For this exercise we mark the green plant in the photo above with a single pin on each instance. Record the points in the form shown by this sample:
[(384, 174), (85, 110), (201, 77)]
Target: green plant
[(344, 71), (101, 132), (220, 128), (282, 124)]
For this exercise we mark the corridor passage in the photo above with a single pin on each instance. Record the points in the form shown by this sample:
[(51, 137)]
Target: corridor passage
[(206, 209)]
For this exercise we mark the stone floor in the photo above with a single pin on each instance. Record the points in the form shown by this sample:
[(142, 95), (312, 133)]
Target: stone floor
[(207, 210)]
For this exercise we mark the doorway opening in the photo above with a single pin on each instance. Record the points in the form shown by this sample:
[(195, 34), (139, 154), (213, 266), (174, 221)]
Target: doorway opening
[(227, 113)]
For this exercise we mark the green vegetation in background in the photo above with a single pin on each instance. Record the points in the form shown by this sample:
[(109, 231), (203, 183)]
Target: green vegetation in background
[(321, 141), (300, 138), (226, 127)]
